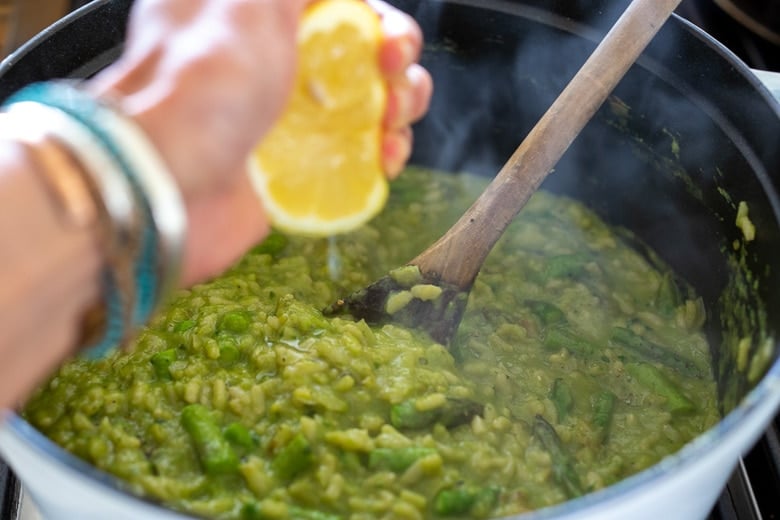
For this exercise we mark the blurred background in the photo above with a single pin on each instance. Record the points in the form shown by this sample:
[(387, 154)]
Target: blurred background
[(750, 28), (22, 19)]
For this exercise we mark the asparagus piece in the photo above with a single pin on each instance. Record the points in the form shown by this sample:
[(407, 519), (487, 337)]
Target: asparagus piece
[(655, 380), (668, 297), (215, 453), (562, 398), (562, 337), (397, 459), (253, 511), (293, 458), (651, 351), (546, 313), (562, 266), (475, 501), (161, 361), (183, 326), (562, 463), (603, 409), (239, 435), (453, 413)]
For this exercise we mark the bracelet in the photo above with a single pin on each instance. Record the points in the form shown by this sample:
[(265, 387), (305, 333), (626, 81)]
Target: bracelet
[(105, 325), (144, 247), (61, 172)]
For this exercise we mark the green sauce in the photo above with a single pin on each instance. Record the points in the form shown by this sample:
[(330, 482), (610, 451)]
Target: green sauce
[(577, 364)]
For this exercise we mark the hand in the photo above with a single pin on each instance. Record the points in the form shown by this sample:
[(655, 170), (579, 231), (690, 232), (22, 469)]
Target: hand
[(206, 79), (409, 84)]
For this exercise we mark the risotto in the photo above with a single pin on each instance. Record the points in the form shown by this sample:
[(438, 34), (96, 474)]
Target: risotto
[(579, 361)]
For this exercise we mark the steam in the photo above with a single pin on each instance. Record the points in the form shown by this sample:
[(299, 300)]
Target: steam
[(498, 65), (654, 158)]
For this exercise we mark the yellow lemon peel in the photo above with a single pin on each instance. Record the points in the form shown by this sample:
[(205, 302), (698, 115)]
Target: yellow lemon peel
[(318, 171)]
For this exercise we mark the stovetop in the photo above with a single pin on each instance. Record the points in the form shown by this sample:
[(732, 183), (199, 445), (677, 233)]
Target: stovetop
[(9, 494), (753, 491)]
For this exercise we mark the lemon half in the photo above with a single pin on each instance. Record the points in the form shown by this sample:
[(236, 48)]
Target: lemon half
[(318, 171)]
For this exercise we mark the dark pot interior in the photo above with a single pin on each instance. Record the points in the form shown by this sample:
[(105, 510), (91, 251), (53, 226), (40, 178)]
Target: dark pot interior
[(687, 135)]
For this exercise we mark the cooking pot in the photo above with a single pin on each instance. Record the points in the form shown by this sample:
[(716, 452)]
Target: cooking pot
[(758, 16), (688, 135)]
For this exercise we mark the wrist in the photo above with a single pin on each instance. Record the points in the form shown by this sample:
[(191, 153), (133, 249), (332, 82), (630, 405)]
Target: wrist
[(50, 275), (142, 221)]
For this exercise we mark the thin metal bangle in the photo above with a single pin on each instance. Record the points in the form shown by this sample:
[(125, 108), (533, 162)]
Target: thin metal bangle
[(156, 194), (114, 198), (160, 189)]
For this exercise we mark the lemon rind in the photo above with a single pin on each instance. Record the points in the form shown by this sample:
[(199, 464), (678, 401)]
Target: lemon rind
[(314, 225)]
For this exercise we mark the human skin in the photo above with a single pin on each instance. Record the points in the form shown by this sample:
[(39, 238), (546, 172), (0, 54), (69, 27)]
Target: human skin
[(205, 80)]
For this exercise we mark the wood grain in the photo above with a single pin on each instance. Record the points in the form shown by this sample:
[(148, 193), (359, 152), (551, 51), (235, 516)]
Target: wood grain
[(458, 255)]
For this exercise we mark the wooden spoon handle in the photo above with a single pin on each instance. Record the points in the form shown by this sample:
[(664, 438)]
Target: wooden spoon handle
[(458, 255)]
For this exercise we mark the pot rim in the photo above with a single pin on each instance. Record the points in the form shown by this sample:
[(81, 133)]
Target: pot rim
[(763, 397), (757, 403)]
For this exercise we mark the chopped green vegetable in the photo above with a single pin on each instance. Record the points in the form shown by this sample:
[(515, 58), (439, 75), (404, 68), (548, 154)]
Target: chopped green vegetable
[(239, 435), (461, 500), (215, 453), (668, 297), (455, 412), (546, 313), (184, 326), (562, 337), (566, 266), (562, 398), (651, 351), (653, 379), (603, 410), (253, 511), (161, 361), (397, 459), (293, 459), (563, 469)]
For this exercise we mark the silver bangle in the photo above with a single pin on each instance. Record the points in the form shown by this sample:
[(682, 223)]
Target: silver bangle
[(154, 243), (113, 197), (160, 189)]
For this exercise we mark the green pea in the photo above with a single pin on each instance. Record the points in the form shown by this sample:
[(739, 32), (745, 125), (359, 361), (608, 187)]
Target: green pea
[(228, 351), (234, 321), (161, 361)]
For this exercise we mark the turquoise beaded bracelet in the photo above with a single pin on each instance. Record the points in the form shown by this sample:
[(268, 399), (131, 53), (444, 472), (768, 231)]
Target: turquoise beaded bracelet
[(155, 244)]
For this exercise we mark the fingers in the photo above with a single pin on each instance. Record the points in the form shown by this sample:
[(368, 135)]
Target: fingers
[(402, 39), (396, 150), (407, 101), (409, 85), (228, 223), (408, 97)]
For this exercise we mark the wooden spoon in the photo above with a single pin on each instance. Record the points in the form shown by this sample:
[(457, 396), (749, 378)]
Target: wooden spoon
[(452, 263)]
